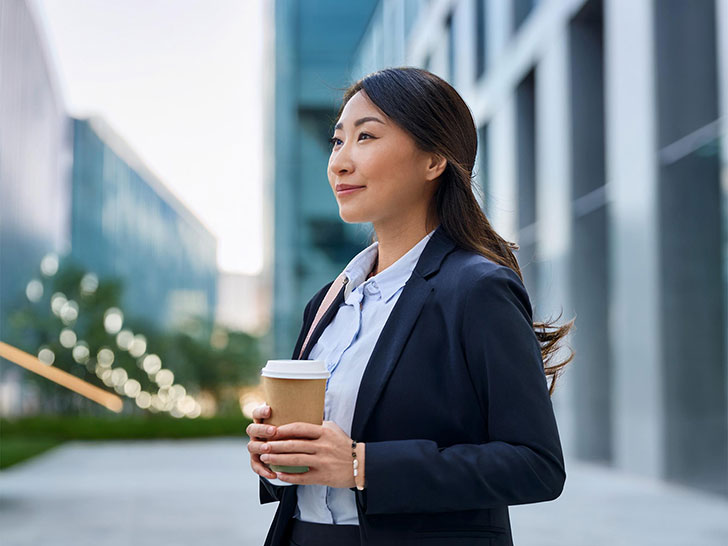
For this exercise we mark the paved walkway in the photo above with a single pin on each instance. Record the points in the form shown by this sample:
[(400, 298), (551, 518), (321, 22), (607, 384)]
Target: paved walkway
[(190, 492)]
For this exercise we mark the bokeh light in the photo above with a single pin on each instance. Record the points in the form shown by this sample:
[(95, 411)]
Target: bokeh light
[(58, 300), (34, 290), (132, 388), (152, 364), (67, 338), (81, 352), (49, 264), (164, 378), (144, 400), (89, 284), (124, 339), (105, 357), (113, 320), (138, 345), (46, 356), (69, 312), (118, 376)]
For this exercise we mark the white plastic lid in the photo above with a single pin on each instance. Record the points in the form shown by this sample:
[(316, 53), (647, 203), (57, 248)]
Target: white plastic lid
[(296, 369)]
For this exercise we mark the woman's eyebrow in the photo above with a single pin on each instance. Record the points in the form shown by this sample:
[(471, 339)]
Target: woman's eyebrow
[(360, 121)]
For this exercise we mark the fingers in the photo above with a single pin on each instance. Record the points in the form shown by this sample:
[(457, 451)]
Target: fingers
[(260, 413), (289, 459), (282, 446), (259, 431), (259, 468), (299, 430)]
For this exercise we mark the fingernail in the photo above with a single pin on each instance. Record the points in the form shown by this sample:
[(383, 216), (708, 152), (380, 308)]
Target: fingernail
[(270, 430)]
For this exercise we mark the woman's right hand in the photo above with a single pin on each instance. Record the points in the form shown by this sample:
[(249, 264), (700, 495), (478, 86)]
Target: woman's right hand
[(259, 435)]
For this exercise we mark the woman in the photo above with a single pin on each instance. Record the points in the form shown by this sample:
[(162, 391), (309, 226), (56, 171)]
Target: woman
[(437, 369)]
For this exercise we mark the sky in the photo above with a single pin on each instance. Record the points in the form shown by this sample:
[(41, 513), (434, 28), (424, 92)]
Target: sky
[(177, 80)]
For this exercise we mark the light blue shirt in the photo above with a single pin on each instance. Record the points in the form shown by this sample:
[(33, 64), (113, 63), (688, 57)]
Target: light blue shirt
[(346, 345)]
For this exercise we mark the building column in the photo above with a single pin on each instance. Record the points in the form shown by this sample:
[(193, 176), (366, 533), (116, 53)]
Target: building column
[(722, 57), (632, 196), (553, 214)]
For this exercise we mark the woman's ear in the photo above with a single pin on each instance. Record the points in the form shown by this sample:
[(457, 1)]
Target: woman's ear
[(435, 167)]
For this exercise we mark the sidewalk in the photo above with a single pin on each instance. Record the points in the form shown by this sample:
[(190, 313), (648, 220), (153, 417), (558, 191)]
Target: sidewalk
[(601, 507), (135, 493), (188, 492)]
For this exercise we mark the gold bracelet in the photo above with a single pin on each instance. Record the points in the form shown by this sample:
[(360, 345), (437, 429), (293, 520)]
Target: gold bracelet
[(356, 465)]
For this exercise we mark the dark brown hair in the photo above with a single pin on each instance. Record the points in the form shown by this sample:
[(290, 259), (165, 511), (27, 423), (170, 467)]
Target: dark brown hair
[(439, 121)]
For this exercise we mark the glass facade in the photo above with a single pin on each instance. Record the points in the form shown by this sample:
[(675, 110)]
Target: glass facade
[(126, 224), (35, 157)]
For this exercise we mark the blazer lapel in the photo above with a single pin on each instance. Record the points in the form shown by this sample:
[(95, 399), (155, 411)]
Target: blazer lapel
[(396, 330), (388, 348)]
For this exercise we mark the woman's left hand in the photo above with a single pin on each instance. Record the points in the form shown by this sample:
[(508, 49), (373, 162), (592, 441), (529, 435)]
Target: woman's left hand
[(325, 449)]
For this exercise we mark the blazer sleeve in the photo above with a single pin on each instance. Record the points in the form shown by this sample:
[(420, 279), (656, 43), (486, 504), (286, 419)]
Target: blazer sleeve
[(522, 461)]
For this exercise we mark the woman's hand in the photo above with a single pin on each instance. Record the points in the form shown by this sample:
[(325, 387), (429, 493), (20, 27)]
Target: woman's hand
[(325, 449), (259, 435)]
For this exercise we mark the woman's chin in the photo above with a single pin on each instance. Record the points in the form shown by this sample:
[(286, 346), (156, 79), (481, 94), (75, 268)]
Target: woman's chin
[(352, 216)]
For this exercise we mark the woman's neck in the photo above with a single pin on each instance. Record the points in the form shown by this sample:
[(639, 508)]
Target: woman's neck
[(392, 246)]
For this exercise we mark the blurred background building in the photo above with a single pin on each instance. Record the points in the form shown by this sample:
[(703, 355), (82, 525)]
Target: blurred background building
[(125, 223), (602, 153), (73, 188), (314, 51), (36, 156)]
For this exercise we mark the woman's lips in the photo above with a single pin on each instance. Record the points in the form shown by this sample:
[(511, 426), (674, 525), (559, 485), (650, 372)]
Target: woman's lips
[(349, 190)]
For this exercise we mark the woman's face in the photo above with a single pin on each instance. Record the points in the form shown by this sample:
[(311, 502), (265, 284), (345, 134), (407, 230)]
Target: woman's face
[(395, 176)]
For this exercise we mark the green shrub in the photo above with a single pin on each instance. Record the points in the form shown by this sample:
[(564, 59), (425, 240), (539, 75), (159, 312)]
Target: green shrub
[(26, 437)]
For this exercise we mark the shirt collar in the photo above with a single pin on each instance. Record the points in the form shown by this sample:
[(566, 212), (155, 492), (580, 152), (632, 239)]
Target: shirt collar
[(391, 279)]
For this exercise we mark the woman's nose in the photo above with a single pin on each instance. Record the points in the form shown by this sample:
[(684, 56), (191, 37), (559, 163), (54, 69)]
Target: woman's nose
[(340, 164)]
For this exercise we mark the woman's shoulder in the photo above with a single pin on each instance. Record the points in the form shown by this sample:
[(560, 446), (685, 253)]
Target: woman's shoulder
[(467, 278), (470, 280), (468, 268)]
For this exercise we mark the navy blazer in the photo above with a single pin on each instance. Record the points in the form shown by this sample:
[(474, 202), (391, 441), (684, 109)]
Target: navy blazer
[(453, 408)]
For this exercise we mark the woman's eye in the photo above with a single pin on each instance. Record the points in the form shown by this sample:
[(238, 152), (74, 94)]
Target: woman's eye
[(333, 140)]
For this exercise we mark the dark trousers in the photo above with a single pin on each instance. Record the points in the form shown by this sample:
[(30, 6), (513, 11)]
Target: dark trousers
[(304, 533)]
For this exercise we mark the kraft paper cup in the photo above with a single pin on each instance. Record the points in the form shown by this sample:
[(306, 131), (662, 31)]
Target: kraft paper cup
[(295, 390)]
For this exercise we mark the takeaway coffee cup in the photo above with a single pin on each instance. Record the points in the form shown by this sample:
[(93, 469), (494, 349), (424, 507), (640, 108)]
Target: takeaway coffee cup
[(295, 390)]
